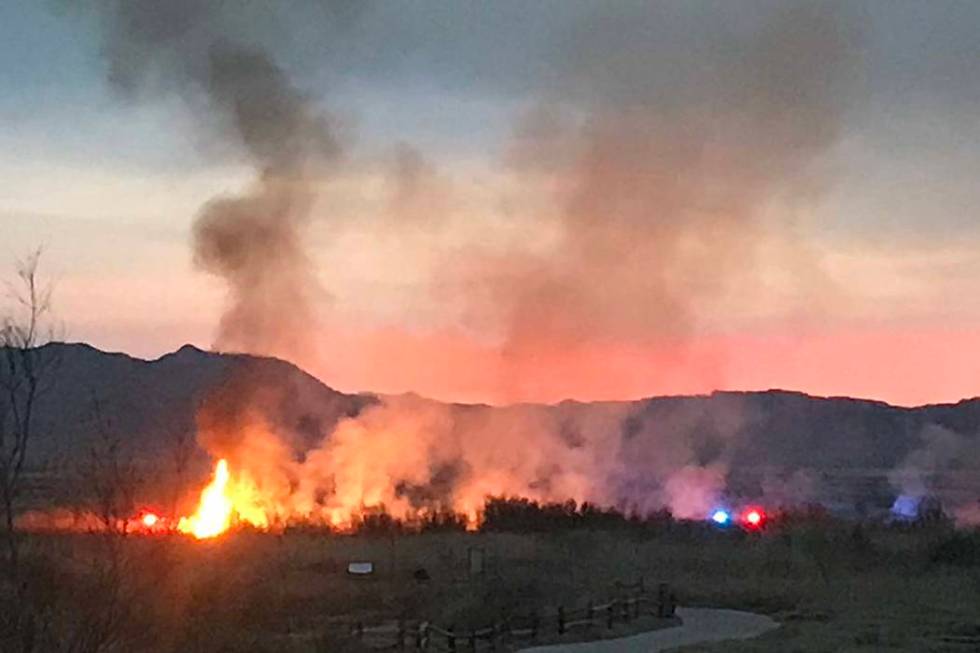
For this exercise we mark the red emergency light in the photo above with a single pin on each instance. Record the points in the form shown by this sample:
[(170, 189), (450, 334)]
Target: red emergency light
[(753, 518)]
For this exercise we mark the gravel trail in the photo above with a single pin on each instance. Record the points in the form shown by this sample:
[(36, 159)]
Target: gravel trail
[(701, 625)]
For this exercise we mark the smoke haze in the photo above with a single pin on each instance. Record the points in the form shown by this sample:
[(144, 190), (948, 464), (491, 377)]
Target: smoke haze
[(644, 166), (254, 240), (652, 153), (941, 469)]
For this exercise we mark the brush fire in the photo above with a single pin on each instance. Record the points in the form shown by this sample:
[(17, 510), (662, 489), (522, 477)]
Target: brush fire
[(652, 219), (223, 502), (414, 460), (230, 501)]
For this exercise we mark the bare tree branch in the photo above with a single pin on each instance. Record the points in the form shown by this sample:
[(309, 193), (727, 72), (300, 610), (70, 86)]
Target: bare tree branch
[(26, 370), (111, 475)]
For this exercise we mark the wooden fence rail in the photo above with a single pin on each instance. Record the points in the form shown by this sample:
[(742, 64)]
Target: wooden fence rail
[(425, 636)]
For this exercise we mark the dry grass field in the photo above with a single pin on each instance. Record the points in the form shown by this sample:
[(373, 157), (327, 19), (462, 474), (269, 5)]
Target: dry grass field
[(832, 587)]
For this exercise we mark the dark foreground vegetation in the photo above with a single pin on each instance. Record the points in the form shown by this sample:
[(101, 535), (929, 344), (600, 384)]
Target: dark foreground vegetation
[(834, 585)]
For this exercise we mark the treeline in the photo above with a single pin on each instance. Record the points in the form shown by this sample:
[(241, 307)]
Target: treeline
[(377, 521), (504, 514), (510, 514), (523, 515)]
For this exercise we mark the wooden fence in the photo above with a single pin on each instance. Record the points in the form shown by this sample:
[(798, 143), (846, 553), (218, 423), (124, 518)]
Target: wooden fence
[(633, 602)]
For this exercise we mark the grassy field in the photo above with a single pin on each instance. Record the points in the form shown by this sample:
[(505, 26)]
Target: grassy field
[(881, 591), (833, 588)]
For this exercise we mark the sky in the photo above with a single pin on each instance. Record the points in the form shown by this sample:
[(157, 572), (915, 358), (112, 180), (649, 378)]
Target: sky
[(509, 201)]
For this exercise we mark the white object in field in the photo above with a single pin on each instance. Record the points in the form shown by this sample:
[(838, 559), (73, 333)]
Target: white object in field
[(360, 568)]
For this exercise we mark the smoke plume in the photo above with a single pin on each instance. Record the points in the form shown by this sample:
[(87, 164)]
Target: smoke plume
[(254, 240), (644, 169), (654, 165), (940, 473), (658, 165)]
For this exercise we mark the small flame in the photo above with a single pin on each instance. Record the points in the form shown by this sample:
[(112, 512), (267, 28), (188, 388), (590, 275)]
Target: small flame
[(150, 520)]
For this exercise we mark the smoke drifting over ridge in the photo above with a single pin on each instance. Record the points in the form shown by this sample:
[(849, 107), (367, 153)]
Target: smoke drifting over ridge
[(411, 455), (657, 163), (661, 184), (658, 148), (942, 469), (254, 241), (660, 176)]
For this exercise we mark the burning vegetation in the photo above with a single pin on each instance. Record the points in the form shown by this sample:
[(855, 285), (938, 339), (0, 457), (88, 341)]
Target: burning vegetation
[(267, 460), (223, 500), (656, 187), (647, 173)]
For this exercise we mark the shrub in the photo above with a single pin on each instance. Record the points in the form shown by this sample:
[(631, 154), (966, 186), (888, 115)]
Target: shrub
[(961, 548)]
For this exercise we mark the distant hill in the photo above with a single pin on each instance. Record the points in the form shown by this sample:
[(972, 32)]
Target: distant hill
[(149, 402)]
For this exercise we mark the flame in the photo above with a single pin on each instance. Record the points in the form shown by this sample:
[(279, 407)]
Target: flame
[(150, 520), (223, 501)]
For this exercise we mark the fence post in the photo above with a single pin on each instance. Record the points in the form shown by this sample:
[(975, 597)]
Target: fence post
[(662, 600), (589, 612), (610, 613), (641, 584), (561, 620), (401, 633), (534, 627), (452, 638)]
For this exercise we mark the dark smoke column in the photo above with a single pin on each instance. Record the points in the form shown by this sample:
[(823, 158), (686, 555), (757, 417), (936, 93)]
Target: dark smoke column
[(255, 241)]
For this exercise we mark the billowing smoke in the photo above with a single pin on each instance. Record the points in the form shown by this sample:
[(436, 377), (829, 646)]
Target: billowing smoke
[(692, 491), (938, 475), (795, 488), (654, 164), (411, 454), (659, 167), (655, 150), (253, 240)]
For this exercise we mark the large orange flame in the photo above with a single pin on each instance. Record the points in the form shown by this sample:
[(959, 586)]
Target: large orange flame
[(223, 501)]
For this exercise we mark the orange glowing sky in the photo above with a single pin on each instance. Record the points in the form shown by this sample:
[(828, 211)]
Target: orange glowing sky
[(868, 286)]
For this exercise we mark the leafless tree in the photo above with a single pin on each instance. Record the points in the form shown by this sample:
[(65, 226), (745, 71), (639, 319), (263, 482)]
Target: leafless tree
[(110, 475), (27, 368)]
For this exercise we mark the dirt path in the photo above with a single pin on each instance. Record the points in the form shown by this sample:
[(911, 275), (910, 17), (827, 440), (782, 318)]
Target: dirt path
[(701, 625)]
